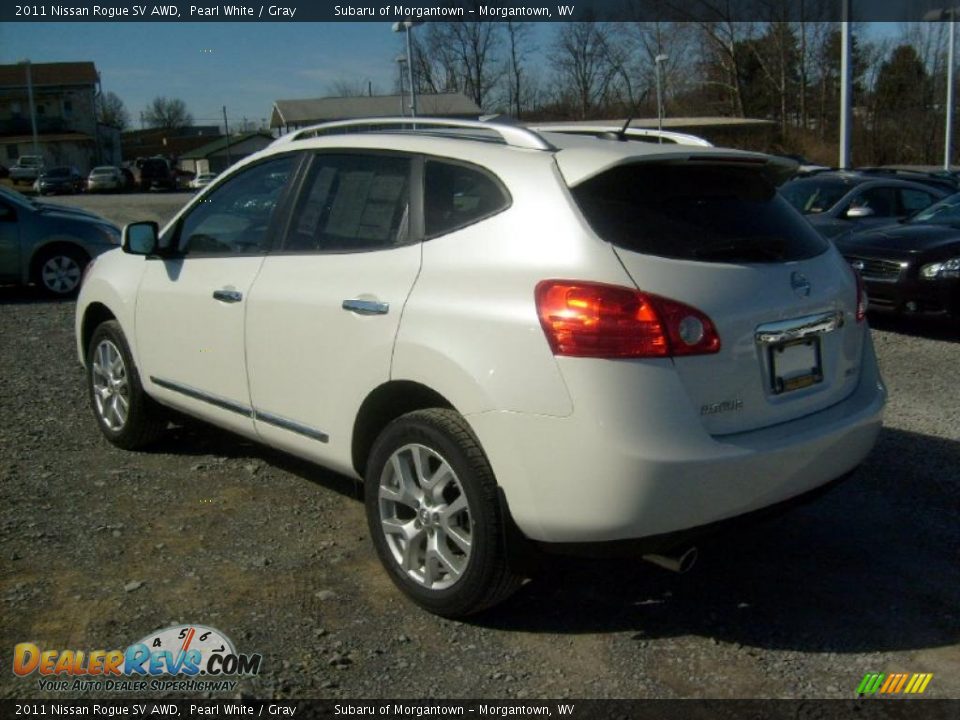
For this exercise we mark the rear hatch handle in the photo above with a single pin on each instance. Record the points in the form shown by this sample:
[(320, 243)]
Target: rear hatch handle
[(784, 331)]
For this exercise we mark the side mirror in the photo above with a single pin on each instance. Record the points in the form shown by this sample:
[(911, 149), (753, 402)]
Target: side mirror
[(858, 212), (141, 238)]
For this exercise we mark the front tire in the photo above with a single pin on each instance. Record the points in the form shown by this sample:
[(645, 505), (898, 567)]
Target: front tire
[(126, 415), (58, 271), (434, 517)]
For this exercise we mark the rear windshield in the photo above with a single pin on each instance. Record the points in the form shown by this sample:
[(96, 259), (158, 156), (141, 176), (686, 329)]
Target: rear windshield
[(714, 213)]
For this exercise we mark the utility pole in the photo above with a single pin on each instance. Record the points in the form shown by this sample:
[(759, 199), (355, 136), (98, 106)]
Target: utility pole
[(226, 131), (658, 61), (948, 131), (33, 111)]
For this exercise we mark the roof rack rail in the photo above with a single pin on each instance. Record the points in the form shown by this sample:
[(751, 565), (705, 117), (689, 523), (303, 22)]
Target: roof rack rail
[(512, 135)]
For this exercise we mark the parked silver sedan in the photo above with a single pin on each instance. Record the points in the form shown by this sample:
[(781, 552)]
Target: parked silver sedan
[(105, 177), (49, 245)]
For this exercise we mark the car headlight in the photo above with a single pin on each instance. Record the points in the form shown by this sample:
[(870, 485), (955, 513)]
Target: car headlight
[(948, 269)]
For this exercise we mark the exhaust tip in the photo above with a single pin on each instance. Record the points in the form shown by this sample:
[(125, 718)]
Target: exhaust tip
[(679, 563)]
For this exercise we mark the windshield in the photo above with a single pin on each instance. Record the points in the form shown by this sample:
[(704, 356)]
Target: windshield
[(103, 171), (58, 172), (812, 195), (945, 212)]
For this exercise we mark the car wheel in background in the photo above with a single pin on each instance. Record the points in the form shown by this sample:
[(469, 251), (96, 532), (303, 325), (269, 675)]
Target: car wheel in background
[(434, 517), (58, 270), (125, 414)]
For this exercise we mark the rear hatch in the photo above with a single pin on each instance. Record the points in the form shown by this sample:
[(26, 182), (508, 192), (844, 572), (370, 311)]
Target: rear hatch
[(709, 230)]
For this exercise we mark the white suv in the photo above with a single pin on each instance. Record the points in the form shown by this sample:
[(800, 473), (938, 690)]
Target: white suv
[(513, 338)]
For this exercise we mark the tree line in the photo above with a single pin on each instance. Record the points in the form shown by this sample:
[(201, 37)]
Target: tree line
[(786, 72)]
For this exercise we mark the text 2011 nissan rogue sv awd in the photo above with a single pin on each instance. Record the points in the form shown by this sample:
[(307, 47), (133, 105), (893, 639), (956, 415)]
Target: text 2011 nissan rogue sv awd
[(511, 337)]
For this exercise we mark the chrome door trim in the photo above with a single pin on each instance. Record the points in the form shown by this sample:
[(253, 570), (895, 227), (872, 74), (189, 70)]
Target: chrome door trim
[(241, 409), (222, 403), (291, 425), (798, 328)]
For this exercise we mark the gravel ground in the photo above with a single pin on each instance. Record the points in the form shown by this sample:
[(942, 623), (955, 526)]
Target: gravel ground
[(98, 547)]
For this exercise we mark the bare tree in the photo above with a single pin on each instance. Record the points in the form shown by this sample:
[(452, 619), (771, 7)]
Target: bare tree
[(584, 66), (344, 87), (463, 57), (519, 47), (167, 113), (111, 111)]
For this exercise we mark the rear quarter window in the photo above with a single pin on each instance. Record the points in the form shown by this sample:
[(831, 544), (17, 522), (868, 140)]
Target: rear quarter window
[(711, 213)]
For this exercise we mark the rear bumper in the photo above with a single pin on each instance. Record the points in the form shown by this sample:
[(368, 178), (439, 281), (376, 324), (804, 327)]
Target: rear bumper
[(624, 469)]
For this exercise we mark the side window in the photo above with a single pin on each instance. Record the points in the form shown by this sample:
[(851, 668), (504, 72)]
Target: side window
[(458, 195), (7, 213), (881, 200), (351, 203), (234, 218), (915, 200)]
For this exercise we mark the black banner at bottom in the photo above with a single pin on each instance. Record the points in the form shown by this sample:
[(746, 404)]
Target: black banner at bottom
[(861, 709)]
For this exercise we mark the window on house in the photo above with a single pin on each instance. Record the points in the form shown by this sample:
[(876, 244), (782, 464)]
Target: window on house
[(67, 107)]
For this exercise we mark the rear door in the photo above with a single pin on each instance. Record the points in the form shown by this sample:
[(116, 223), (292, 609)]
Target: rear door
[(718, 237), (325, 308), (9, 240)]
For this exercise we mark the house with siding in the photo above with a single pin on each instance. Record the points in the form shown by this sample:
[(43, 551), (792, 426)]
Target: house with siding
[(64, 104)]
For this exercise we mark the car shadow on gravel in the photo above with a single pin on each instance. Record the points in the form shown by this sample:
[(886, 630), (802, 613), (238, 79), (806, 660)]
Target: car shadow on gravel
[(20, 295), (189, 437), (871, 566), (921, 326)]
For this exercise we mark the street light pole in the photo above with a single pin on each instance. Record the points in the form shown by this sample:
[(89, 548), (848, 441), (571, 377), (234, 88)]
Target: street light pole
[(845, 82), (407, 26), (948, 133), (401, 61), (661, 58)]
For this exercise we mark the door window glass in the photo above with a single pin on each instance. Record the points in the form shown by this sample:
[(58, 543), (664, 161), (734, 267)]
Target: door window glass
[(235, 217), (881, 200), (352, 203), (457, 195), (915, 200)]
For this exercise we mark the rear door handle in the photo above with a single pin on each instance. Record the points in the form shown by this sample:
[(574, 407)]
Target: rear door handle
[(366, 307), (228, 296)]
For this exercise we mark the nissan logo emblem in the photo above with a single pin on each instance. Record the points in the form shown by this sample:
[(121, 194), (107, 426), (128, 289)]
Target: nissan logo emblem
[(800, 284)]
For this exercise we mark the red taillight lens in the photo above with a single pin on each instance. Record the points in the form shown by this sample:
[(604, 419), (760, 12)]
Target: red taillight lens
[(861, 295), (585, 319)]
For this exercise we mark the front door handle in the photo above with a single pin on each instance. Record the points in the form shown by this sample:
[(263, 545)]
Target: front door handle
[(366, 307), (228, 296)]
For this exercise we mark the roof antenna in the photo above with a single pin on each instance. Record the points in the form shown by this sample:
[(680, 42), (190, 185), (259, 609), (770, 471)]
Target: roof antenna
[(621, 134)]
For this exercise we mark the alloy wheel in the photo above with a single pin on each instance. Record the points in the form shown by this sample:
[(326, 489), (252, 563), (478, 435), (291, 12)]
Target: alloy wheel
[(425, 517), (111, 389)]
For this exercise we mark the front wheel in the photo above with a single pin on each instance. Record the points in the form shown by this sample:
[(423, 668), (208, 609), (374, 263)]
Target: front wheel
[(126, 415), (59, 271), (434, 517)]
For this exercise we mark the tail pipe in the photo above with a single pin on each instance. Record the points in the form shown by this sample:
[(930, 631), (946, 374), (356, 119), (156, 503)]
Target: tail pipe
[(678, 563)]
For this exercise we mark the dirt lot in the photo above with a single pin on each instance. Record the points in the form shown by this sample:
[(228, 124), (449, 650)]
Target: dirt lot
[(98, 547)]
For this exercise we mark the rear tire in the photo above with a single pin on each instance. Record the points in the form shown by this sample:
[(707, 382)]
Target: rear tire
[(434, 516), (126, 415)]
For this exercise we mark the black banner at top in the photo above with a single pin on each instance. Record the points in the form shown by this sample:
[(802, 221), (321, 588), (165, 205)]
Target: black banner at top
[(479, 10)]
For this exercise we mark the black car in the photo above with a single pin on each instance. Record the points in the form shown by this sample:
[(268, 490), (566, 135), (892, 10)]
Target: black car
[(838, 202), (913, 266), (60, 180)]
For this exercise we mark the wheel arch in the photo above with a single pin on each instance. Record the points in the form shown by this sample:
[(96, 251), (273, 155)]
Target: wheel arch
[(382, 406), (95, 315), (53, 244)]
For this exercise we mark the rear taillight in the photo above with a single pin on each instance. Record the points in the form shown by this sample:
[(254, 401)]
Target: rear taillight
[(862, 299), (586, 319)]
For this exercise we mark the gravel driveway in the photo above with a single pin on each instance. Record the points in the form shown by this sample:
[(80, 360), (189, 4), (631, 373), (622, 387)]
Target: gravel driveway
[(98, 547)]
